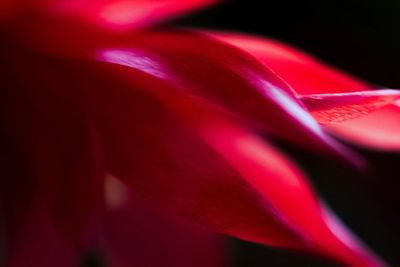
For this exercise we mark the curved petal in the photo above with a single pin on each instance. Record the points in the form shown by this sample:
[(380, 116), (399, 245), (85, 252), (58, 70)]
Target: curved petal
[(378, 130), (307, 75), (303, 72), (212, 171), (340, 107)]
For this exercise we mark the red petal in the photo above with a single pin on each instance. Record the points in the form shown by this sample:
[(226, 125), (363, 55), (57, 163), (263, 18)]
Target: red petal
[(380, 129), (185, 62), (303, 72), (307, 75), (339, 107), (184, 156), (286, 189), (135, 235), (116, 14), (163, 139), (161, 160)]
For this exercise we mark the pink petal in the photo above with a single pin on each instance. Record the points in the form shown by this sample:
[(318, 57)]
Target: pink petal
[(378, 130), (339, 107), (307, 75)]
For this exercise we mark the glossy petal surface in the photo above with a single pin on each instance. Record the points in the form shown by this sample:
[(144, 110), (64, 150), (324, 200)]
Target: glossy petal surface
[(212, 171), (302, 71), (340, 107)]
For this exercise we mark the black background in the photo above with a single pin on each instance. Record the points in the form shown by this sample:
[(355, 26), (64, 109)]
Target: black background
[(363, 38)]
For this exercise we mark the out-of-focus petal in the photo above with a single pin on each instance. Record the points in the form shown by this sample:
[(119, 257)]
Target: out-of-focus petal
[(179, 106), (379, 129), (136, 235), (322, 231), (8, 9), (115, 14), (42, 112), (17, 190), (38, 244), (162, 161)]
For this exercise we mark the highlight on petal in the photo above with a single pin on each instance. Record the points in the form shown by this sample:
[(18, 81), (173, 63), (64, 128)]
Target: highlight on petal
[(379, 129), (194, 64), (338, 107), (303, 72), (181, 107), (253, 159), (229, 79)]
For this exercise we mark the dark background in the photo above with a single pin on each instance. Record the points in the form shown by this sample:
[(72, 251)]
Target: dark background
[(361, 37)]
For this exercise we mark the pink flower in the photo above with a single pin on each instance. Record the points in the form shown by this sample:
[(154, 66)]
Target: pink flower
[(96, 114)]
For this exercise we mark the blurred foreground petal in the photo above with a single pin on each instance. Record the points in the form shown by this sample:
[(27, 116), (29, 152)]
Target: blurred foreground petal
[(38, 244), (136, 235), (115, 14)]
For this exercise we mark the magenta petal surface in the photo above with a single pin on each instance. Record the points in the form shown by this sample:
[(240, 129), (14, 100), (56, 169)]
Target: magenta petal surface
[(307, 75), (339, 107)]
